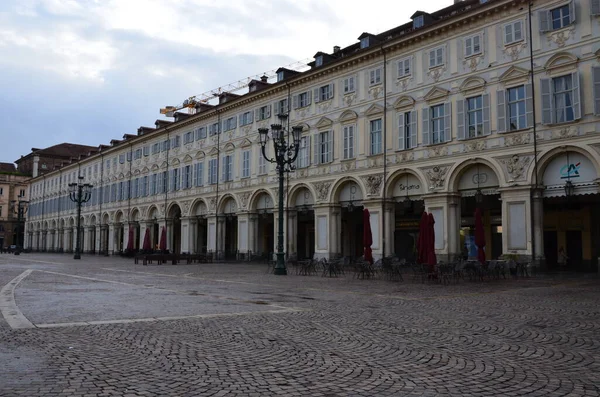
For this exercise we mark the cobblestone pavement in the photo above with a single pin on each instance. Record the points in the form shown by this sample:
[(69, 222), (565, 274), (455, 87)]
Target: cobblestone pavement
[(106, 327)]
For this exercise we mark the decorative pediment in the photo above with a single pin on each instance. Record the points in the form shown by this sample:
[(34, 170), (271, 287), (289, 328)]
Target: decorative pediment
[(246, 143), (214, 151), (154, 167), (436, 94), (404, 102), (187, 159), (374, 109), (560, 62), (128, 174), (136, 172), (229, 147), (471, 84), (121, 176), (348, 115), (514, 74), (200, 155), (175, 161), (145, 170), (164, 164), (324, 122)]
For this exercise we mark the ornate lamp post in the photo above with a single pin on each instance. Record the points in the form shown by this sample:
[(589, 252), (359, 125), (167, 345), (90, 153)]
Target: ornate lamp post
[(79, 193), (285, 155), (20, 208)]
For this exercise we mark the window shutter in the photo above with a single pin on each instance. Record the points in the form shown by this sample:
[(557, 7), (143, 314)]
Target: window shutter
[(487, 129), (234, 119), (233, 170), (276, 108), (307, 152), (331, 87), (595, 6), (330, 147), (316, 95), (529, 105), (241, 119), (257, 114), (413, 129), (501, 110), (596, 80), (295, 101), (572, 12), (447, 122), (426, 116), (460, 114), (316, 150), (576, 96), (268, 111), (544, 17), (251, 117), (308, 97), (401, 138), (547, 112), (508, 35), (223, 170), (468, 46)]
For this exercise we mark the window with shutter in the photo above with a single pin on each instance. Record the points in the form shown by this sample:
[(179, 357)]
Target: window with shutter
[(405, 125), (413, 129), (303, 159), (472, 45), (375, 76), (547, 102), (596, 82), (348, 132), (246, 164), (595, 7), (565, 103), (436, 57), (349, 85), (375, 135), (437, 124), (513, 32), (404, 69)]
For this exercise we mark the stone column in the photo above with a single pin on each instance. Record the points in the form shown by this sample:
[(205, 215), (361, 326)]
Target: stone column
[(186, 235), (375, 213), (201, 226), (322, 231), (335, 227), (390, 226), (292, 241), (193, 235), (454, 225), (221, 236), (211, 240), (111, 238), (85, 243), (98, 239), (538, 227), (446, 226), (516, 221)]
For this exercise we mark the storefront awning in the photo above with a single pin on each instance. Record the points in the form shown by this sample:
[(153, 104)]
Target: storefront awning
[(580, 189)]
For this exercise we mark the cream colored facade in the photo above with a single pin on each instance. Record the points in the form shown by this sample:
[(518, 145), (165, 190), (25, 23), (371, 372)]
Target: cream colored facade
[(402, 82)]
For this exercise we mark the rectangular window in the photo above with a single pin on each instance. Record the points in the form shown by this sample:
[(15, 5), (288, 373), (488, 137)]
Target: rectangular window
[(319, 60), (246, 118), (349, 85), (375, 76), (513, 32), (281, 107), (129, 155), (404, 68), (406, 124), (146, 150), (156, 148), (114, 162), (303, 100), (228, 168), (303, 159), (188, 137), (21, 193), (364, 42), (517, 118), (418, 21), (563, 98), (165, 182), (229, 124), (324, 147), (121, 159), (436, 57), (213, 129), (324, 93), (348, 132), (145, 186), (187, 177), (153, 188), (474, 116), (200, 133), (472, 45), (212, 171), (136, 186), (560, 17), (437, 124), (246, 164), (175, 179), (138, 154), (375, 133), (264, 112), (199, 174)]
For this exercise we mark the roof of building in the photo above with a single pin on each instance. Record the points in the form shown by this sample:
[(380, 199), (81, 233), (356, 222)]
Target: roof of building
[(7, 167), (62, 150)]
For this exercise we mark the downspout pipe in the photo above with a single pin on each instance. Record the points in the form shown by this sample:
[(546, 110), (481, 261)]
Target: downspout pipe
[(534, 248), (384, 128)]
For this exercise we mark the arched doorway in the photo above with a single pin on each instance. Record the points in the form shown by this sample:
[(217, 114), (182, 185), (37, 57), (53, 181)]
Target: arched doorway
[(265, 225), (201, 239), (571, 212), (92, 235), (350, 199), (478, 187), (174, 229), (303, 223), (135, 224), (104, 234), (154, 228), (228, 234), (406, 192), (119, 231)]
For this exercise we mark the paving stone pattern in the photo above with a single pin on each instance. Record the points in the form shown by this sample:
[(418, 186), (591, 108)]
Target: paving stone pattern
[(526, 337)]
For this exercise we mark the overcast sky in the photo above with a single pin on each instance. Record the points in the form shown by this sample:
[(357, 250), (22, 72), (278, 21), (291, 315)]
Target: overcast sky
[(88, 71)]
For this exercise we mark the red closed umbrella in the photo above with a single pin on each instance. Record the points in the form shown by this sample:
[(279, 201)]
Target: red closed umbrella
[(367, 236), (130, 240), (147, 246), (422, 239), (479, 236), (431, 258), (163, 239)]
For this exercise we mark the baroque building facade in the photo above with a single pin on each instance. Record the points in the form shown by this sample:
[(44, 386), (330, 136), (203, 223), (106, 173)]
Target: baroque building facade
[(492, 103)]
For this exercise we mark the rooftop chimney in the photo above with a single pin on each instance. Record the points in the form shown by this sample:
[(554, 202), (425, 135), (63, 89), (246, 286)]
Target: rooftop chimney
[(264, 78), (336, 48)]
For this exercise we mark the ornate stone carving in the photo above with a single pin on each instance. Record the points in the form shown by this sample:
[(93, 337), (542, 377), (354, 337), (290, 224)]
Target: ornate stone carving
[(300, 114), (324, 106), (275, 191), (373, 183), (436, 176), (437, 151), (403, 83), (514, 51), (186, 207), (349, 99), (246, 130), (476, 146), (404, 157), (516, 166), (376, 92), (244, 199), (472, 62), (436, 73), (515, 140), (212, 204), (348, 166), (566, 132), (322, 189), (161, 210), (561, 37)]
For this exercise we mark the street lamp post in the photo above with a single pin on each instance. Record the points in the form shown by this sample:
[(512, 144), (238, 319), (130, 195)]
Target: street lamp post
[(285, 155), (79, 193), (20, 208)]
